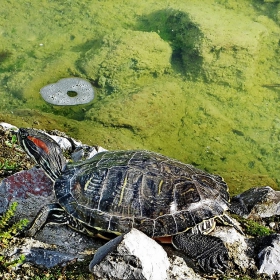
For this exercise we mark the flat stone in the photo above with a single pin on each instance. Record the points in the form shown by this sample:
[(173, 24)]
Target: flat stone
[(57, 93), (37, 253), (136, 257), (24, 186), (47, 258)]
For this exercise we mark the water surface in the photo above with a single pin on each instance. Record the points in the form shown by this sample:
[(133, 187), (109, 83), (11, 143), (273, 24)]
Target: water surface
[(183, 78)]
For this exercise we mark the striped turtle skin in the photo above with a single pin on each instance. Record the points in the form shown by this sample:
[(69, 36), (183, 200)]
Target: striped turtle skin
[(113, 192)]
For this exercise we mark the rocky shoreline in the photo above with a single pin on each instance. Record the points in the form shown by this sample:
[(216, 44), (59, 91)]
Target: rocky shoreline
[(255, 255)]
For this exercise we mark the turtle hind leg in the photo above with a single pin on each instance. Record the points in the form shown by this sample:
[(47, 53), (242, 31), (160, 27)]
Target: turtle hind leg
[(209, 251)]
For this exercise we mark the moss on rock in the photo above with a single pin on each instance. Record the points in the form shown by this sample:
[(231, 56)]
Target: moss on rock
[(127, 59), (214, 46)]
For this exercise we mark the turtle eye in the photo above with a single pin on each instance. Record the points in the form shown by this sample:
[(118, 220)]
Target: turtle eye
[(39, 143), (22, 133)]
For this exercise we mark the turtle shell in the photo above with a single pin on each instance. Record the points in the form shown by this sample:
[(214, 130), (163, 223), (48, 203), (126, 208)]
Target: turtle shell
[(115, 191)]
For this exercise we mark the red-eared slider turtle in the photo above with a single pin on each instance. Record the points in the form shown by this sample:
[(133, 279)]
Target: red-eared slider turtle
[(115, 191)]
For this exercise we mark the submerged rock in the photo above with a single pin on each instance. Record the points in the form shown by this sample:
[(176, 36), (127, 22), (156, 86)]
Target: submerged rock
[(127, 56), (195, 34)]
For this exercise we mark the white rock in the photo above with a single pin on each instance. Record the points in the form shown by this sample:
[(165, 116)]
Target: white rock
[(8, 126), (136, 257), (269, 257), (96, 151), (63, 142)]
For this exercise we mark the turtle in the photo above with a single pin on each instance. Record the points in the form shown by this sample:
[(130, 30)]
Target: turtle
[(114, 191)]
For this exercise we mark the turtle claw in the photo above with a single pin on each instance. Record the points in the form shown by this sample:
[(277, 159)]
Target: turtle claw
[(210, 265), (205, 265), (222, 260), (219, 263)]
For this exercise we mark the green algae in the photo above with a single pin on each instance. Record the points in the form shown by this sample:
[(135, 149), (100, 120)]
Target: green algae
[(253, 228), (183, 79), (127, 60)]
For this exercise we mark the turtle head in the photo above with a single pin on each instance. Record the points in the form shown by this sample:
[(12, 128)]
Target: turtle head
[(43, 150)]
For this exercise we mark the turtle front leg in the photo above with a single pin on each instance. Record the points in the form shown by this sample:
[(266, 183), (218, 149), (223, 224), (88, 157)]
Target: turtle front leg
[(50, 213), (209, 251)]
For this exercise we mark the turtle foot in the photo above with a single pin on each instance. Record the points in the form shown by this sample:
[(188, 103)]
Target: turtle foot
[(209, 251)]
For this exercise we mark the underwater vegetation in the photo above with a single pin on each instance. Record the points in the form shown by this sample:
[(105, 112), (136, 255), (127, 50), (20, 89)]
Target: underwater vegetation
[(4, 55), (271, 85), (184, 79)]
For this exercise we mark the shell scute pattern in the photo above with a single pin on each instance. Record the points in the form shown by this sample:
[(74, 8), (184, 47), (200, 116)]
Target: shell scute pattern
[(181, 218), (165, 224), (115, 191)]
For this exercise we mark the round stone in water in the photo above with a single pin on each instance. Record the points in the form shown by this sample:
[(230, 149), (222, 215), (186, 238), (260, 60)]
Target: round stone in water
[(57, 93)]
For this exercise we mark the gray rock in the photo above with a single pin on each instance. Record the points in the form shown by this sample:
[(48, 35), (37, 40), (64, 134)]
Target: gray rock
[(78, 154), (30, 188), (136, 257), (179, 270), (269, 257), (47, 258), (259, 202), (37, 253), (84, 152), (238, 247)]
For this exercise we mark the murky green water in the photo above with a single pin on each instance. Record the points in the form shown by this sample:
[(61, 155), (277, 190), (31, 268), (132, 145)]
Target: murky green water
[(183, 78)]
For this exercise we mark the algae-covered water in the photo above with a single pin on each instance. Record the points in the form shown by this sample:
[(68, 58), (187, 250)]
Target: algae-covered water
[(192, 80)]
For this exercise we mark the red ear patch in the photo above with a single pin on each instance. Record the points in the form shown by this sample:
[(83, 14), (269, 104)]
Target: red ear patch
[(39, 143)]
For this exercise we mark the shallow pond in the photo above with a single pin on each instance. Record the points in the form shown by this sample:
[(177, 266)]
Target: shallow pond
[(189, 79)]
